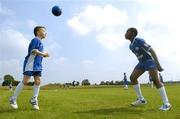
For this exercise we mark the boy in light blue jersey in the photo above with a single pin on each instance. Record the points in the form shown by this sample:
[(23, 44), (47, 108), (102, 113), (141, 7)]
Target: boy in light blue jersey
[(32, 67), (148, 61)]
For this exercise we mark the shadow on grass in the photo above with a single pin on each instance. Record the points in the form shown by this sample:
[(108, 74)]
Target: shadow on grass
[(108, 111), (9, 110)]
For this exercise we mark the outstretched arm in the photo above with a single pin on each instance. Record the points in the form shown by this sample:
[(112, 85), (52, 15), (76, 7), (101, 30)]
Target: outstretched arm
[(156, 59), (37, 52)]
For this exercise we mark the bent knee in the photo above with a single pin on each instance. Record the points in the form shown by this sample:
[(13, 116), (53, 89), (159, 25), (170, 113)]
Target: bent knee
[(158, 84), (25, 82), (131, 78), (37, 82)]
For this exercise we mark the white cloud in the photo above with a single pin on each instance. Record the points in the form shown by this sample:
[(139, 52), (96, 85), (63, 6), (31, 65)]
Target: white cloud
[(52, 47), (12, 44), (14, 64), (13, 48), (98, 19), (80, 27), (12, 67), (54, 62), (110, 40), (4, 11), (31, 23), (88, 62), (161, 26), (62, 60)]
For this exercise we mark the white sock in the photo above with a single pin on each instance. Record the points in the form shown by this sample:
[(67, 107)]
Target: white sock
[(138, 91), (152, 85), (163, 95), (18, 90), (36, 91)]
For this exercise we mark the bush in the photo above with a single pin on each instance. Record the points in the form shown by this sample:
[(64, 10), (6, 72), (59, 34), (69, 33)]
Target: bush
[(85, 82)]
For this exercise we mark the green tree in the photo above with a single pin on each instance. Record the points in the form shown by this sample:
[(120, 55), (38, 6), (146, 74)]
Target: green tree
[(85, 82), (15, 83), (118, 83), (111, 83), (102, 83), (77, 83), (30, 83), (7, 80)]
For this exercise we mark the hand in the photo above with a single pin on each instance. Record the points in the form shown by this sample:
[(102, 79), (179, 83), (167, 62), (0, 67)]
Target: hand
[(160, 68), (46, 54)]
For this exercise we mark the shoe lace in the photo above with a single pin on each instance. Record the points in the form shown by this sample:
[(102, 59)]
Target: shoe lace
[(12, 101), (33, 101)]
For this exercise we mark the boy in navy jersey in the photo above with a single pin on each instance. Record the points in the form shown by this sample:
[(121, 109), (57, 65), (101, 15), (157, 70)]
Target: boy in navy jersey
[(148, 61), (161, 78), (32, 67), (125, 81)]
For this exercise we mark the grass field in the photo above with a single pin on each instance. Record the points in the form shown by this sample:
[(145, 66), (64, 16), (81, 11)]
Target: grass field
[(91, 103)]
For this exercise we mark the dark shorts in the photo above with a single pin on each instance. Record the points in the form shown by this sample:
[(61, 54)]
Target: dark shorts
[(147, 65), (32, 73)]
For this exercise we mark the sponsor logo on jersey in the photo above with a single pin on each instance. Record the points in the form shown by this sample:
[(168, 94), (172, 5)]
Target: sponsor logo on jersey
[(137, 48), (146, 45)]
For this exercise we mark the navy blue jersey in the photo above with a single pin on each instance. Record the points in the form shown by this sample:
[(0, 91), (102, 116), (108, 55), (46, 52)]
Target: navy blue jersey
[(161, 78), (150, 78), (33, 62), (141, 49), (125, 80)]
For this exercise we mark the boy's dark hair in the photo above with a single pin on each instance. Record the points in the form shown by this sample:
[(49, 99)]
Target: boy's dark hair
[(37, 28), (134, 30)]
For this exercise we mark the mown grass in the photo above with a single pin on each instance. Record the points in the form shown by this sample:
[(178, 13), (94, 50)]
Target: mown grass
[(91, 103)]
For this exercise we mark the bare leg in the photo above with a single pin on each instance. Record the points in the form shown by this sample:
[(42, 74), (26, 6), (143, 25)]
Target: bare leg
[(155, 78), (159, 86), (134, 76)]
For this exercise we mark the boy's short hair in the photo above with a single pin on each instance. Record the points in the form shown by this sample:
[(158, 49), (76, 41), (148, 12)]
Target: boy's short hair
[(134, 30), (37, 28)]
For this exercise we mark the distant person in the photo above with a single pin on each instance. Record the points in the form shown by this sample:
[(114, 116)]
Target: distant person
[(73, 83), (148, 61), (125, 81), (32, 67), (11, 87), (151, 81), (161, 78)]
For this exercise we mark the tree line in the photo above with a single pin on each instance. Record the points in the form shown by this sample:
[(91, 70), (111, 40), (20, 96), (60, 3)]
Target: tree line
[(9, 79)]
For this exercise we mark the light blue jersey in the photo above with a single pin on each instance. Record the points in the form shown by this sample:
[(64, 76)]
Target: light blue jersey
[(33, 62), (141, 49)]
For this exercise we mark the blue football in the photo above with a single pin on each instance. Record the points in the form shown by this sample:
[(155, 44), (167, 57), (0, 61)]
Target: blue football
[(56, 11)]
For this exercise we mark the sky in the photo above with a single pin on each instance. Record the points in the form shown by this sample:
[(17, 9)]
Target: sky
[(87, 40)]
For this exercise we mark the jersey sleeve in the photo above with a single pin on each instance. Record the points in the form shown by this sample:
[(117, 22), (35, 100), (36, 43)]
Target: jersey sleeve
[(144, 45), (33, 45)]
